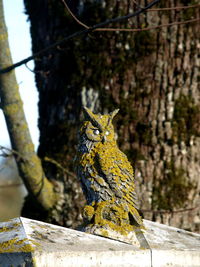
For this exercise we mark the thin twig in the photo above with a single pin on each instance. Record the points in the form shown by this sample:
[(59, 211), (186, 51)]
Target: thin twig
[(136, 30), (57, 164), (29, 68), (149, 28), (74, 17), (77, 34), (12, 152), (169, 211), (4, 153), (173, 8)]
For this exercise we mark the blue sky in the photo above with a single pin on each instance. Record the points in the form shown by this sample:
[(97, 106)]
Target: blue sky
[(20, 44)]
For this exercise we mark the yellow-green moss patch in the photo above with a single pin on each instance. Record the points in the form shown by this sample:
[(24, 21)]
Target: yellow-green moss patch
[(17, 245), (10, 228)]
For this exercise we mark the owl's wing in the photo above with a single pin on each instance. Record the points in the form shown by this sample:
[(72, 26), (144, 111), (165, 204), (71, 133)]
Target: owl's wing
[(118, 174)]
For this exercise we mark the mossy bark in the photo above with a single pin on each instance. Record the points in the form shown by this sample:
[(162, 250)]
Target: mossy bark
[(28, 163), (148, 75)]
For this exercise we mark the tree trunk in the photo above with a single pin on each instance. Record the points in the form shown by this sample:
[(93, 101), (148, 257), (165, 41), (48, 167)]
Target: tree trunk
[(152, 76), (28, 163)]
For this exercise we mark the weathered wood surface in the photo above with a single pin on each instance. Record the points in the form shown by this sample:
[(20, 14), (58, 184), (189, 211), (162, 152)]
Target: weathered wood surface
[(26, 242)]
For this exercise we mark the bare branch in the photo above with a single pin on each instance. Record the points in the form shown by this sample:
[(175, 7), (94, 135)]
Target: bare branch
[(77, 34), (73, 16), (58, 165), (173, 8), (29, 68), (149, 28), (136, 30), (97, 27), (169, 211), (12, 152)]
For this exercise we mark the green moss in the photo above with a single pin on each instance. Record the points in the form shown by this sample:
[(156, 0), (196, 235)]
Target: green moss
[(109, 215), (13, 108), (88, 212), (3, 36), (16, 245), (185, 120), (173, 190), (7, 229)]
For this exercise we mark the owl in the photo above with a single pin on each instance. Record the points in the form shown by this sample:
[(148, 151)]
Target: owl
[(105, 174)]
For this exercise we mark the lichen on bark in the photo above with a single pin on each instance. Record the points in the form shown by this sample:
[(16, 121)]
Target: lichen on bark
[(28, 163)]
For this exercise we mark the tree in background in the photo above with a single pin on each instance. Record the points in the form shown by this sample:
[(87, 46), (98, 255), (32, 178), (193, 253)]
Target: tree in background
[(29, 165), (152, 76), (46, 197)]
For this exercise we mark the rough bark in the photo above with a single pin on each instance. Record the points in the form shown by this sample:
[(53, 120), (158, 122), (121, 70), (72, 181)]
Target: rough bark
[(28, 163), (153, 77)]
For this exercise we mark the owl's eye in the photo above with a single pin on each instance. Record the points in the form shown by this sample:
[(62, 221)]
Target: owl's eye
[(107, 133), (96, 132)]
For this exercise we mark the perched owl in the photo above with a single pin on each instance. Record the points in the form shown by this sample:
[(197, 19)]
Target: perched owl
[(105, 173)]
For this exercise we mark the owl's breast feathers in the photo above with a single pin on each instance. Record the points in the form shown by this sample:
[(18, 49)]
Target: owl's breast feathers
[(106, 176), (94, 186), (106, 173), (117, 173)]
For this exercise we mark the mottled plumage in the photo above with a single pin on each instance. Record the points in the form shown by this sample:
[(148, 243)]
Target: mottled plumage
[(104, 171)]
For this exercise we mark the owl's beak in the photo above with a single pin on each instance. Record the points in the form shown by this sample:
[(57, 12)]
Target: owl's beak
[(104, 139)]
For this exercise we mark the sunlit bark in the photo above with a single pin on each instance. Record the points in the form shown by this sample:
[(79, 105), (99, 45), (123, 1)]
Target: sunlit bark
[(28, 163)]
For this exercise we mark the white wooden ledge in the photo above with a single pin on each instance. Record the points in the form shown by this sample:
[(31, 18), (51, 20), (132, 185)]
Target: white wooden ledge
[(27, 243)]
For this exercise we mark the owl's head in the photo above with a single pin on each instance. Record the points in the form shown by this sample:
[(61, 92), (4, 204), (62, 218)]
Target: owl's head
[(97, 127)]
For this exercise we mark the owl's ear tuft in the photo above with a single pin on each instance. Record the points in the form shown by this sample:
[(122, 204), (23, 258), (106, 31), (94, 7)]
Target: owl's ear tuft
[(112, 114), (89, 115)]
